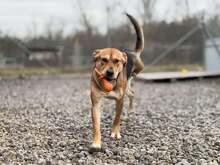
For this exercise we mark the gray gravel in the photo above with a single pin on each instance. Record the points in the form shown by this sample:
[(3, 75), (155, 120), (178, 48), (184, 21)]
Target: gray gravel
[(46, 120)]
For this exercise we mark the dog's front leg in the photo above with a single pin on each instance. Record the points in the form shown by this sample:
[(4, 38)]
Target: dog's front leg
[(116, 124), (95, 111)]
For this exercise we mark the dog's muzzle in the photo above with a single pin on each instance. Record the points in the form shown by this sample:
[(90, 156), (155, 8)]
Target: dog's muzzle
[(109, 75)]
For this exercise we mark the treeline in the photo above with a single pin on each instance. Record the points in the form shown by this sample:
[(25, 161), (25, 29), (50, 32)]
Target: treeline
[(158, 37)]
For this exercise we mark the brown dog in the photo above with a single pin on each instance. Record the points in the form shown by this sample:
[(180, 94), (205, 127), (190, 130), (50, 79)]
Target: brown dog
[(118, 68)]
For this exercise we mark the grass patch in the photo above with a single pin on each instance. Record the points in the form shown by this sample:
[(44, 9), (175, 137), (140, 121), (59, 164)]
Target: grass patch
[(39, 71)]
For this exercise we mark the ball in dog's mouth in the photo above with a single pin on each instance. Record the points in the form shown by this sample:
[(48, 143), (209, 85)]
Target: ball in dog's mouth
[(107, 85)]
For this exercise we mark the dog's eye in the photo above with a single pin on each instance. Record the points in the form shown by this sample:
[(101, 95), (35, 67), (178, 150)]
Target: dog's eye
[(115, 61), (104, 59)]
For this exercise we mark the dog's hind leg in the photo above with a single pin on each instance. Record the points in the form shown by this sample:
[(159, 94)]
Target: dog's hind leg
[(116, 124), (130, 94), (138, 65)]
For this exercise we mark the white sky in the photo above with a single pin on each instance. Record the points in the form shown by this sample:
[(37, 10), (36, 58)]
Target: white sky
[(26, 17)]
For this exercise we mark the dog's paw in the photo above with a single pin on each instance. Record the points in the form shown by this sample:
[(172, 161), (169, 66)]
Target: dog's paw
[(115, 135), (94, 149), (131, 110), (126, 118)]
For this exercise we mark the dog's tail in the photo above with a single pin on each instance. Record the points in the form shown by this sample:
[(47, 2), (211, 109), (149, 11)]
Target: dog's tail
[(139, 32)]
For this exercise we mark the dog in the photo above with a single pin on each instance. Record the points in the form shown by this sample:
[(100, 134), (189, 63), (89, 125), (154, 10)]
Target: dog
[(118, 69)]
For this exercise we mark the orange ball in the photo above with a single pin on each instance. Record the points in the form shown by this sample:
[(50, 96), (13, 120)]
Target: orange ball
[(107, 85)]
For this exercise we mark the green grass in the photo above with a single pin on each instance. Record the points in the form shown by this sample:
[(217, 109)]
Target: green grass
[(39, 71)]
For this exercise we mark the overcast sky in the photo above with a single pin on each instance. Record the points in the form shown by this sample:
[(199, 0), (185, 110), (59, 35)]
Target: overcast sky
[(26, 17)]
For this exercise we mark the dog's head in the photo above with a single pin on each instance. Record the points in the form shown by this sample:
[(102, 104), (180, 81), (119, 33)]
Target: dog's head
[(109, 62)]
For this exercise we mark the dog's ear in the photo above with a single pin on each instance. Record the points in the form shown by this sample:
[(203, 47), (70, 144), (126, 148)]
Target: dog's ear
[(96, 54), (124, 58)]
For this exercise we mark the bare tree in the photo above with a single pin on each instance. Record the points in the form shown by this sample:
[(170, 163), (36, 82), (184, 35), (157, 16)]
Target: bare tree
[(108, 13), (84, 19), (48, 29), (110, 7), (216, 5), (187, 8), (148, 10), (214, 25), (54, 30), (182, 8), (32, 30)]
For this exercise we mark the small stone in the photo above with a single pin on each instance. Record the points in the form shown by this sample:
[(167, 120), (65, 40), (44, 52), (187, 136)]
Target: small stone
[(48, 162), (80, 148), (41, 161), (164, 148), (183, 162), (60, 162), (81, 161), (203, 162), (213, 163)]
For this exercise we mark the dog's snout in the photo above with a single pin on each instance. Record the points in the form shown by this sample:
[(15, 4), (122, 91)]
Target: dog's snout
[(110, 72)]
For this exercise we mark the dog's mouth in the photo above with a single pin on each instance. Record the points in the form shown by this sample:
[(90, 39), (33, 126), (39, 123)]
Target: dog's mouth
[(110, 78)]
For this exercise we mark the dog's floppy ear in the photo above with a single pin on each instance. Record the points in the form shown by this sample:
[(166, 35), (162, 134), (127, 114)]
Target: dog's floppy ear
[(96, 54), (124, 58)]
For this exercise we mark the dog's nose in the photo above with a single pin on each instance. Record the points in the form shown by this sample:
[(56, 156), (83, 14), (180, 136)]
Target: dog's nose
[(110, 72)]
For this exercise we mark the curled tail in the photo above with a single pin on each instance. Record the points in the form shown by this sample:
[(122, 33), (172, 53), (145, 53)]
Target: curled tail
[(139, 33)]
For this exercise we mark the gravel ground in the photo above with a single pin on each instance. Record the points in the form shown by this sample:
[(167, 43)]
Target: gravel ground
[(46, 120)]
